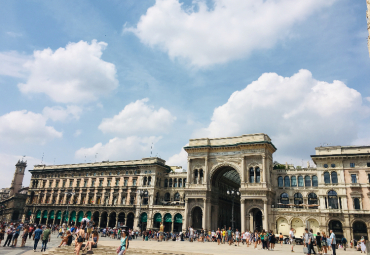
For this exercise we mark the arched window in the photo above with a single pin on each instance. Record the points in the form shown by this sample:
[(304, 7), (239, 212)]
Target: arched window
[(149, 181), (145, 180), (300, 181), (334, 177), (167, 197), (280, 181), (180, 183), (333, 199), (195, 176), (294, 181), (165, 183), (356, 203), (251, 175), (315, 181), (312, 200), (326, 177), (170, 183), (175, 183), (286, 181), (284, 199), (184, 182), (298, 199), (201, 176), (177, 197), (307, 181), (258, 174)]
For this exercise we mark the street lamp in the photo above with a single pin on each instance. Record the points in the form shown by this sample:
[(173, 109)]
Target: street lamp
[(68, 194), (142, 193), (233, 193)]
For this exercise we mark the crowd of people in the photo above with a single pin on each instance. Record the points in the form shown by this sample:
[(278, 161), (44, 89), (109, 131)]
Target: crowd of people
[(85, 236)]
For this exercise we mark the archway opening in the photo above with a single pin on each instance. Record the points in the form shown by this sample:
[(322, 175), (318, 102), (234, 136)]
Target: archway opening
[(314, 225), (282, 226), (15, 215), (130, 220), (112, 220), (143, 221), (95, 218), (58, 218), (299, 227), (225, 183), (196, 217), (73, 217), (44, 217), (167, 221), (256, 219), (103, 220), (359, 229), (177, 224), (336, 226), (121, 219), (157, 220)]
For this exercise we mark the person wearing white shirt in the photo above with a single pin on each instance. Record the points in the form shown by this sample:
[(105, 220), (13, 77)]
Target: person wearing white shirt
[(333, 241), (292, 237)]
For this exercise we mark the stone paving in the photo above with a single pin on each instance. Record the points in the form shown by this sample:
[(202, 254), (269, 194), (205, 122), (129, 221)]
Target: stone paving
[(107, 247)]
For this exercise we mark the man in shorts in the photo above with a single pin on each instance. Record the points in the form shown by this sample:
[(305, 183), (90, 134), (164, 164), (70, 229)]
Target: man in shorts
[(237, 236), (248, 237), (45, 238), (292, 237), (191, 234), (18, 229), (230, 236)]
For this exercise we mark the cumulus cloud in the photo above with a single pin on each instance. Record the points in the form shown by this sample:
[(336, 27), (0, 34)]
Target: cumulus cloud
[(25, 126), (59, 113), (77, 133), (11, 64), (7, 166), (297, 112), (179, 159), (129, 148), (74, 74), (228, 30), (138, 118)]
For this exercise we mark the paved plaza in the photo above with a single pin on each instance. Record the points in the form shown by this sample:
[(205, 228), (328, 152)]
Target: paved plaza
[(169, 247)]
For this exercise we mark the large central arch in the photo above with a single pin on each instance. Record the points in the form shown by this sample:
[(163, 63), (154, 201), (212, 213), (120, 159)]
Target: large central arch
[(223, 178)]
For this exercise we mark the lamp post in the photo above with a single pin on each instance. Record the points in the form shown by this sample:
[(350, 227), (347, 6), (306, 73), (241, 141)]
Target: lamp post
[(68, 194), (142, 193), (233, 193)]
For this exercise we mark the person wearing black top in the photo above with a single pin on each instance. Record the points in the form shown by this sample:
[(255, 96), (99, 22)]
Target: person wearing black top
[(318, 242)]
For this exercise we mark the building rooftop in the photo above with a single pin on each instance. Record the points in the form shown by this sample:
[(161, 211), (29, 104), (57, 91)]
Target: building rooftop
[(341, 150)]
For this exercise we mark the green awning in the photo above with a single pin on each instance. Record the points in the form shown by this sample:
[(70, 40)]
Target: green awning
[(65, 216), (59, 215), (45, 214), (167, 217), (144, 217), (38, 214), (29, 213), (157, 217), (80, 216), (178, 218), (52, 215), (89, 215), (73, 216)]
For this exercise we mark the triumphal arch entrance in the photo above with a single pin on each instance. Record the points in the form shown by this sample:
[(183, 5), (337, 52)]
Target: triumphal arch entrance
[(228, 182)]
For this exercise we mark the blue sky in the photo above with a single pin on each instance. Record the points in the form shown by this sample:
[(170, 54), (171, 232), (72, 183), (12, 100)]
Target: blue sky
[(83, 79)]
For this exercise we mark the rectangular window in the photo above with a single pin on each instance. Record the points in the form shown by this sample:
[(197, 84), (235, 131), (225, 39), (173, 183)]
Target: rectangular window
[(109, 181), (368, 164), (123, 200), (57, 184), (294, 181), (368, 177), (64, 183), (49, 184), (353, 178), (78, 184), (352, 164), (100, 183), (117, 182), (134, 182), (92, 183), (70, 183), (125, 182), (85, 183)]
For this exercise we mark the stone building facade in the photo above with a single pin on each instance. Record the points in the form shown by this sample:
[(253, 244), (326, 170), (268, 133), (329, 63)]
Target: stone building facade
[(229, 181), (136, 193)]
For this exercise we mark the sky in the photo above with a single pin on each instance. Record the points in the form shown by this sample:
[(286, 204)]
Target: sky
[(88, 81)]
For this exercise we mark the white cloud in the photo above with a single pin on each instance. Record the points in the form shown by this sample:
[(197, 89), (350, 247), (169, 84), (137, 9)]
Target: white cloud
[(74, 74), (23, 126), (129, 148), (77, 133), (14, 34), (138, 118), (229, 30), (59, 113), (180, 159), (7, 166), (298, 113), (11, 64)]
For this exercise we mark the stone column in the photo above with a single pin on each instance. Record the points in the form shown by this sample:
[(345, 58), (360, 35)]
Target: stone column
[(99, 220), (208, 216), (243, 170), (58, 196), (265, 215), (87, 197), (205, 212), (102, 198), (95, 197), (65, 199), (264, 169), (44, 198), (189, 175), (205, 173), (111, 197), (119, 197), (186, 222), (108, 217), (251, 219), (242, 214)]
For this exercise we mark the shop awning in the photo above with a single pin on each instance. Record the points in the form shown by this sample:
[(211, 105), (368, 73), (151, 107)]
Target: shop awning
[(157, 217), (167, 217)]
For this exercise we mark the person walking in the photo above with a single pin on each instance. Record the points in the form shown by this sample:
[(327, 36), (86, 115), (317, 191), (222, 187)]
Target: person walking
[(17, 232), (230, 236), (292, 237), (2, 233), (344, 242), (45, 238), (10, 233), (333, 241), (312, 242), (36, 237), (124, 244), (307, 238)]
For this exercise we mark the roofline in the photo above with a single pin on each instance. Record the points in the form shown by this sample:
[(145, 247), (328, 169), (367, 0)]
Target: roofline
[(339, 155), (230, 145)]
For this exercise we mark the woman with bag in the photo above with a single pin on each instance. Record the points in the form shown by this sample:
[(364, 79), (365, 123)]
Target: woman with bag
[(124, 244)]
